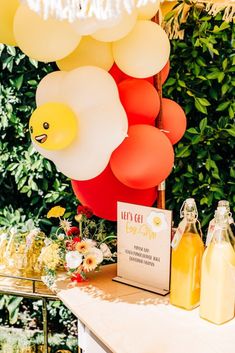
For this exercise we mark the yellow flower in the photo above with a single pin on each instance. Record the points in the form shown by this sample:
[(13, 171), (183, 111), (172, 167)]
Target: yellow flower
[(78, 218), (56, 212), (89, 263), (50, 256), (83, 247)]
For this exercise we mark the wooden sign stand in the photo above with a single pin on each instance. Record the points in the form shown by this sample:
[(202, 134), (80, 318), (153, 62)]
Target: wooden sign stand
[(161, 201)]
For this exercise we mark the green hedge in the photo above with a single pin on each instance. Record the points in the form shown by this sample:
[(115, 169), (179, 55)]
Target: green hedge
[(29, 183), (201, 80)]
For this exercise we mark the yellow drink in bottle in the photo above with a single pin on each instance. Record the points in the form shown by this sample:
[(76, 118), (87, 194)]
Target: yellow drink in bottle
[(186, 263), (218, 266)]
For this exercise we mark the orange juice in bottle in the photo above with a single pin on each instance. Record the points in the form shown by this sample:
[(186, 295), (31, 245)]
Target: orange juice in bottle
[(187, 251)]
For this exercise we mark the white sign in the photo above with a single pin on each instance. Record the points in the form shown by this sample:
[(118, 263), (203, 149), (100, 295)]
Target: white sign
[(144, 247)]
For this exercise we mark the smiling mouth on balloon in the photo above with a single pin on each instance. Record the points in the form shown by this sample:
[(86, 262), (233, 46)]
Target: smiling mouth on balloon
[(41, 138)]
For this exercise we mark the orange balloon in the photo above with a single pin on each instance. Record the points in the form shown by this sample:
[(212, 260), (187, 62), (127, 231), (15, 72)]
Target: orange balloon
[(174, 120), (139, 97), (144, 159), (165, 72)]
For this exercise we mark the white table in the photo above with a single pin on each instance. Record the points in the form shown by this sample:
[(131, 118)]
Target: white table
[(114, 317)]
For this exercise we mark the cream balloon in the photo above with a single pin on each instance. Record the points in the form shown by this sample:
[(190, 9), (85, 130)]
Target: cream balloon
[(89, 52), (43, 40), (120, 30), (148, 11), (101, 130), (49, 88), (88, 86), (7, 12), (144, 51)]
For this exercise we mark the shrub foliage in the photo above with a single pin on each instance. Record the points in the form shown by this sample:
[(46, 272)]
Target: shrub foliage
[(201, 80)]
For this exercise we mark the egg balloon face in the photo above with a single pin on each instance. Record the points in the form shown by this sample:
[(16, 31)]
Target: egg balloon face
[(53, 126)]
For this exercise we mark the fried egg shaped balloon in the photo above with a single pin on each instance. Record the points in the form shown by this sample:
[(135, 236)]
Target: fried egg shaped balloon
[(101, 122)]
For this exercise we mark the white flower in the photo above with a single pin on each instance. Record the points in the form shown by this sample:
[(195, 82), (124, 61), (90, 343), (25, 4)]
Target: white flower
[(13, 231), (106, 251), (90, 242), (3, 236), (157, 221), (47, 241), (73, 259), (98, 254), (60, 236)]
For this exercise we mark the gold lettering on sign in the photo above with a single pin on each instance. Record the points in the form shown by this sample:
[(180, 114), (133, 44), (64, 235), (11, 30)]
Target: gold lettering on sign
[(140, 229)]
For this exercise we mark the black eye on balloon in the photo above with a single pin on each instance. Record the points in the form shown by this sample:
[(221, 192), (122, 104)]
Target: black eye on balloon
[(46, 125), (31, 129)]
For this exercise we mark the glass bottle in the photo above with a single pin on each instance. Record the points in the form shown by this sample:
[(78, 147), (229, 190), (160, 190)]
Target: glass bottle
[(225, 203), (187, 253), (218, 264)]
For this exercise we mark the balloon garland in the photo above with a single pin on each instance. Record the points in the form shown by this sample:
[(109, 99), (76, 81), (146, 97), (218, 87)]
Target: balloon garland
[(96, 116)]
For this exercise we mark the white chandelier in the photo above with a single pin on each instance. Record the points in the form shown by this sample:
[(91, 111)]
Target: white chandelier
[(82, 9)]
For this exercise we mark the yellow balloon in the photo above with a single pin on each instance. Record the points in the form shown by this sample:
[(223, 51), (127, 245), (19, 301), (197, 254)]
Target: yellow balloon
[(43, 40), (144, 51), (7, 12), (90, 52), (120, 30), (148, 11), (53, 126)]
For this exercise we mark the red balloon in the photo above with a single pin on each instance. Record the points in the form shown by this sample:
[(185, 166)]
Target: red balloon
[(173, 119), (119, 76), (134, 119), (144, 159), (139, 97), (102, 193), (165, 72)]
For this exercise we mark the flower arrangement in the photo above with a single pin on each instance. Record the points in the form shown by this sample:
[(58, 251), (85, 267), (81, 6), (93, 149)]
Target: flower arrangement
[(77, 249)]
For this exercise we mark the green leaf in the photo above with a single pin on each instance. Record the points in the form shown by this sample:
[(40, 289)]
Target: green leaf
[(203, 101), (231, 131), (170, 82), (213, 75), (203, 124), (222, 106), (224, 89), (201, 108), (192, 130), (183, 152)]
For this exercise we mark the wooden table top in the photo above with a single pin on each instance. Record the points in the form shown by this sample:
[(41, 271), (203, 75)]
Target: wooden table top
[(131, 320)]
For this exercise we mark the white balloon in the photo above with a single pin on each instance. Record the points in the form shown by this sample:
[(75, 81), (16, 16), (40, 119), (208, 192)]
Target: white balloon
[(101, 130), (49, 88), (88, 86), (93, 95)]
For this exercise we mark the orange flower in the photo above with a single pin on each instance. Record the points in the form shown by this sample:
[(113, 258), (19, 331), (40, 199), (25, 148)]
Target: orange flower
[(89, 263), (83, 247)]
